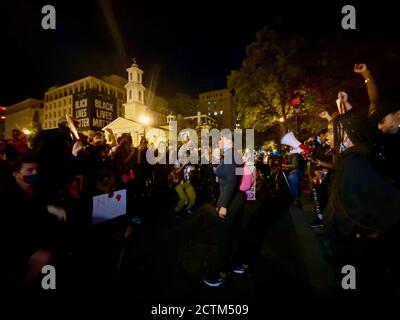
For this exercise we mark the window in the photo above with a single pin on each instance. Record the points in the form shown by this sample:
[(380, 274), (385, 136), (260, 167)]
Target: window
[(130, 76), (221, 112), (45, 116), (54, 114), (138, 77), (140, 95), (65, 102)]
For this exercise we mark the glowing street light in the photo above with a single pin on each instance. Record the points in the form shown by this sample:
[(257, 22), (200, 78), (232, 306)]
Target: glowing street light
[(281, 119), (26, 131), (144, 120)]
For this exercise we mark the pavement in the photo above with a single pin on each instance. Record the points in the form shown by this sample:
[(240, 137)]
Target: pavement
[(164, 260)]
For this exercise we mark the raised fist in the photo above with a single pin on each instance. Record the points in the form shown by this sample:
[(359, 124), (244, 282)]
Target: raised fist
[(343, 96), (360, 68)]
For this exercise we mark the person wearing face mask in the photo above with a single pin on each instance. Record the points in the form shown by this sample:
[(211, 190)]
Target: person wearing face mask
[(18, 145), (29, 233)]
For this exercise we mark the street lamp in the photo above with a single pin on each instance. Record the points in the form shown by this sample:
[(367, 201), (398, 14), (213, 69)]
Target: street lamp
[(144, 120)]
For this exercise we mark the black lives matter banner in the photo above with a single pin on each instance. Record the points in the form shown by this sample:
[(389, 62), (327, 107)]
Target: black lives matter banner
[(93, 110)]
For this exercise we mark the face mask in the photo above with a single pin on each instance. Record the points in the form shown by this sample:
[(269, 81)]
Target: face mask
[(31, 179)]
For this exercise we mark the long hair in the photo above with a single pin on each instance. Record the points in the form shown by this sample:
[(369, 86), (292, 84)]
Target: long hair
[(356, 127), (352, 126), (124, 149)]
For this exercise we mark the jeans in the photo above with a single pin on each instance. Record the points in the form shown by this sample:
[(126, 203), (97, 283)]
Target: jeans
[(294, 178)]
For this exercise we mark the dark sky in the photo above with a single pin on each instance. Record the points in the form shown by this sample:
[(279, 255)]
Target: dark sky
[(186, 47)]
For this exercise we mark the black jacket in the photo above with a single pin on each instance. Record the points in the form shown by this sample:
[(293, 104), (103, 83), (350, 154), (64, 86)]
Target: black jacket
[(228, 180), (367, 199)]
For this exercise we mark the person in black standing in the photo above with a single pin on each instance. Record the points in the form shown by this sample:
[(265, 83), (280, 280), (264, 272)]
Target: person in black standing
[(229, 203), (363, 205)]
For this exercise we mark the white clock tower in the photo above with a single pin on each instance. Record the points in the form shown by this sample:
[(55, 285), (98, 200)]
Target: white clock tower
[(134, 107)]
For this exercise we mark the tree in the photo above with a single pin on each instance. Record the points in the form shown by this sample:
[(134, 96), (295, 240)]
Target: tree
[(278, 71), (266, 82)]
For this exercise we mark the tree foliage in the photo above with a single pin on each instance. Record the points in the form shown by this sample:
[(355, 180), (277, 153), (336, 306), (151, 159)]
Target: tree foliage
[(277, 70)]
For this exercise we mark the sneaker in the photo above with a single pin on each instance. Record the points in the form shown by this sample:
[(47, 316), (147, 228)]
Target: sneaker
[(214, 282), (241, 269), (137, 220), (317, 223)]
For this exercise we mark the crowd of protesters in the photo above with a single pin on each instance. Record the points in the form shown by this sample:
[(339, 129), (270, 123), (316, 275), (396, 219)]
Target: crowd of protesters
[(353, 169), (47, 187)]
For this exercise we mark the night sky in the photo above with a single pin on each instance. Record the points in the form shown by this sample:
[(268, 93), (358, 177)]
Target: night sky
[(187, 47)]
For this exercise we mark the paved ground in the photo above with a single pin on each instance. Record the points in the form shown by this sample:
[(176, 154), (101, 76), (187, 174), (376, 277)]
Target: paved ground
[(164, 261)]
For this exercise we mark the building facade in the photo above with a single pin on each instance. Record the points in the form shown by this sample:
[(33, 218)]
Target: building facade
[(144, 112), (219, 105), (93, 102), (142, 102), (25, 115)]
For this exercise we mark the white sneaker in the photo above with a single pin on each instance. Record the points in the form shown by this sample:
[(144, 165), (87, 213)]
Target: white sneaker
[(137, 220)]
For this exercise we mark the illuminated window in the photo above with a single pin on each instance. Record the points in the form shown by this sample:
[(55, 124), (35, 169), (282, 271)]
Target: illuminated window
[(221, 112)]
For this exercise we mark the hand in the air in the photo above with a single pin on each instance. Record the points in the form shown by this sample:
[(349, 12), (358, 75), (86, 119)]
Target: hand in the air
[(360, 68), (343, 96)]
